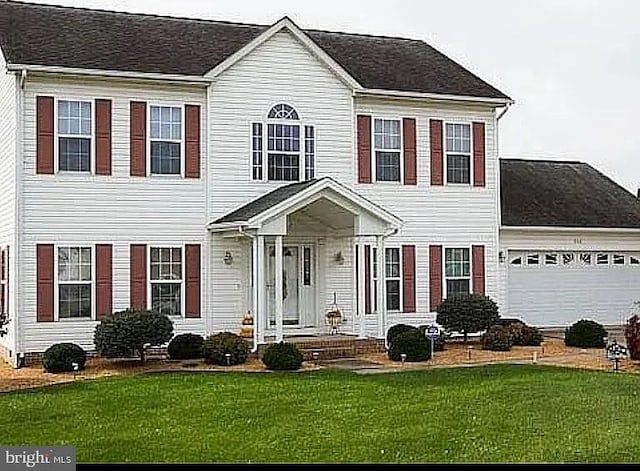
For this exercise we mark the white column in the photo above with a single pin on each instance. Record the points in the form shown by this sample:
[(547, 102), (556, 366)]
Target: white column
[(381, 298), (361, 284), (260, 321), (254, 289), (279, 291)]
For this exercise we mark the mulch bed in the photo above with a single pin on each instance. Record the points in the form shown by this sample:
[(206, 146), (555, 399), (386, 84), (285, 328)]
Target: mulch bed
[(551, 352)]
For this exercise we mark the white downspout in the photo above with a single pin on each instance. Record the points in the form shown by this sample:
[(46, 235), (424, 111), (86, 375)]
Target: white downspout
[(16, 253)]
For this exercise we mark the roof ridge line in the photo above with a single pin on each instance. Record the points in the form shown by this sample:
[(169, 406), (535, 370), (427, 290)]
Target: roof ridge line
[(132, 13), (523, 159)]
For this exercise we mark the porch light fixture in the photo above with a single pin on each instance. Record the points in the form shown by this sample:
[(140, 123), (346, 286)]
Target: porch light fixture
[(338, 258), (228, 258), (501, 256)]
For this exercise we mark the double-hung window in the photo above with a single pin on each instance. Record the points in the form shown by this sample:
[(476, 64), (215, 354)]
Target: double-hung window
[(458, 150), (457, 272), (75, 282), (387, 149), (392, 272), (289, 154), (166, 139), (74, 136), (166, 280)]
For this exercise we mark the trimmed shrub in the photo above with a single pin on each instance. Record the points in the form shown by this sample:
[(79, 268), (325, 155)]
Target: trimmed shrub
[(440, 342), (61, 356), (127, 333), (585, 334), (467, 313), (632, 336), (413, 344), (498, 339), (524, 335), (282, 357), (217, 346), (397, 329), (185, 347)]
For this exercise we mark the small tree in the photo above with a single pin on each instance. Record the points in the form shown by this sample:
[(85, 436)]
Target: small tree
[(467, 313), (127, 333), (632, 336)]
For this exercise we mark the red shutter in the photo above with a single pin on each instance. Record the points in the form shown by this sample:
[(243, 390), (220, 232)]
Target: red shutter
[(44, 133), (410, 158), (192, 139), (435, 276), (478, 155), (477, 265), (192, 280), (138, 276), (408, 278), (138, 139), (44, 293), (364, 149), (367, 279), (437, 160), (104, 277), (103, 137)]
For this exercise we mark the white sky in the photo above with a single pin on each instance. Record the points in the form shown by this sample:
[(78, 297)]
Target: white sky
[(572, 66)]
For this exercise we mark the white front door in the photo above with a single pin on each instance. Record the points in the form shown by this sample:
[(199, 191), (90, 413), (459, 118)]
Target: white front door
[(298, 294)]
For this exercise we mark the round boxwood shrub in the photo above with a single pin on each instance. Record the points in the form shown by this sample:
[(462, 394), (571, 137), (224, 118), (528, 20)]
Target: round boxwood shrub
[(467, 313), (127, 333), (498, 339), (585, 334), (413, 344), (439, 343), (397, 329), (61, 357), (217, 346), (282, 356), (185, 347), (524, 335)]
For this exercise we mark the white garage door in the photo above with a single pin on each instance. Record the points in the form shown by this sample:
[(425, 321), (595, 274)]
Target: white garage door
[(559, 288)]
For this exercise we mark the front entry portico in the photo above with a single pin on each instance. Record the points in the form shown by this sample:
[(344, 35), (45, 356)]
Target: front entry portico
[(308, 249)]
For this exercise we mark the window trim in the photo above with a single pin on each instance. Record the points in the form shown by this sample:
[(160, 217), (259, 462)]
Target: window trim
[(56, 283), (444, 268), (265, 121), (182, 247), (374, 160), (183, 130), (445, 172), (57, 135)]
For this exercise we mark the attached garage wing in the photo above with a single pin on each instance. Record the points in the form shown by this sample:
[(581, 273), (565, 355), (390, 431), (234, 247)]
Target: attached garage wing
[(555, 289)]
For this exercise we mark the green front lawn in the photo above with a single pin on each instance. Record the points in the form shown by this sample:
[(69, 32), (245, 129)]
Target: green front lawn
[(500, 413)]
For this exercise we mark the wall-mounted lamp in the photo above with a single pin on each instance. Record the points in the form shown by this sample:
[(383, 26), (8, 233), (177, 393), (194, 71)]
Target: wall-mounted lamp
[(501, 256), (338, 258), (228, 258)]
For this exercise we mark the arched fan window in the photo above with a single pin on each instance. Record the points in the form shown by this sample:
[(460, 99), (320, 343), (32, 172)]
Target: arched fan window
[(290, 147), (283, 111)]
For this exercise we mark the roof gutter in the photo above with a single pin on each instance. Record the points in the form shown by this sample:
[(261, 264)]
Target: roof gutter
[(630, 230), (432, 96), (226, 226), (189, 79)]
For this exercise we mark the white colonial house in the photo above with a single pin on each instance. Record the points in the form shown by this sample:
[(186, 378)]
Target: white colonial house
[(208, 169)]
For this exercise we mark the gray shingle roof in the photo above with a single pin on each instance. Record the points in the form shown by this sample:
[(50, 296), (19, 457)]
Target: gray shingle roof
[(563, 194), (264, 202), (81, 38)]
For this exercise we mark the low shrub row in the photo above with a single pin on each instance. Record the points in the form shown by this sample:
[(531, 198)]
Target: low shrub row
[(117, 339), (502, 336)]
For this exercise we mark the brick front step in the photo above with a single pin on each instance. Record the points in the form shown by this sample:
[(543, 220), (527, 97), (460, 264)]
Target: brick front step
[(333, 348)]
